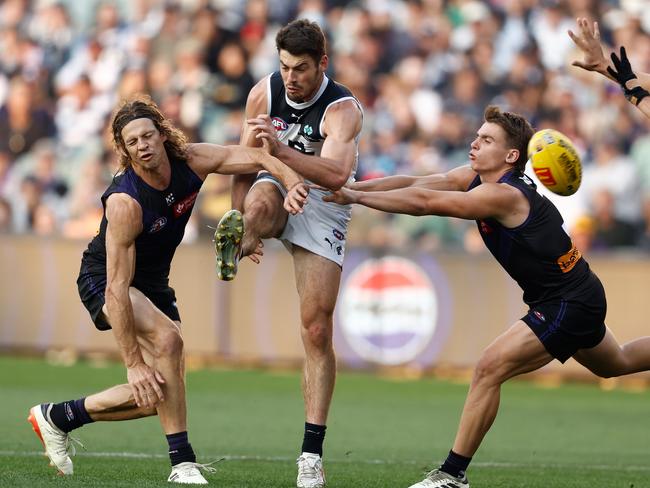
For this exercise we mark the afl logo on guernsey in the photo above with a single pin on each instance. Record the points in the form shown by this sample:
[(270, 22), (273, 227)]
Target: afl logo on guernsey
[(158, 224), (388, 310), (279, 124)]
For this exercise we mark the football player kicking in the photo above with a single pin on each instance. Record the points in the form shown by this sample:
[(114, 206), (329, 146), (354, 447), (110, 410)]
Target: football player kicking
[(523, 230)]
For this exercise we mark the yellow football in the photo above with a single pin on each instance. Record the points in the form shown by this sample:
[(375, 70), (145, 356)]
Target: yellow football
[(555, 161)]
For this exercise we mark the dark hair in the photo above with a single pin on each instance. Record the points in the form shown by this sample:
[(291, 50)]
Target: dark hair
[(143, 107), (518, 131), (302, 37)]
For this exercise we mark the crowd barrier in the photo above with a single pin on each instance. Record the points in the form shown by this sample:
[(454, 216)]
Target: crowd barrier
[(401, 312)]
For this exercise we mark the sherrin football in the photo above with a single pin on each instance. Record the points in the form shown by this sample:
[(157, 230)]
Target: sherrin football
[(555, 161)]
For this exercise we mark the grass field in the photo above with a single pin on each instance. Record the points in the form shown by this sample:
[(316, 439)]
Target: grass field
[(381, 434)]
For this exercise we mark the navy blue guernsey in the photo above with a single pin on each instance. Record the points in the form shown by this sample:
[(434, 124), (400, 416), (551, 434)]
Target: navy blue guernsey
[(299, 124), (538, 254), (164, 216)]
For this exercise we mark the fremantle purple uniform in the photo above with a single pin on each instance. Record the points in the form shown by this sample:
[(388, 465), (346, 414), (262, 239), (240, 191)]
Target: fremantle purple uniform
[(566, 299), (164, 216)]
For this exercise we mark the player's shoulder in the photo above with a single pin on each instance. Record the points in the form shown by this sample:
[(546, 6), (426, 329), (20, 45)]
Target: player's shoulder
[(121, 204), (257, 97), (340, 88)]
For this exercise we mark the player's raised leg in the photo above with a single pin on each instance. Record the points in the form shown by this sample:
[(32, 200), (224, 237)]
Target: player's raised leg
[(238, 234)]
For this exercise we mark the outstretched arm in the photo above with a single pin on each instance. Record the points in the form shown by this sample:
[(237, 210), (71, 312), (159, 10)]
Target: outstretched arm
[(207, 158), (457, 179), (256, 103), (495, 200)]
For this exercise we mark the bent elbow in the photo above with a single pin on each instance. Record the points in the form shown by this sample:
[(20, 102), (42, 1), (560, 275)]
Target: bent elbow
[(338, 182)]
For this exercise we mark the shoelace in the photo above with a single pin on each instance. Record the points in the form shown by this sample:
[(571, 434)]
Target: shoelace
[(68, 447), (72, 450), (307, 468), (205, 467), (437, 475)]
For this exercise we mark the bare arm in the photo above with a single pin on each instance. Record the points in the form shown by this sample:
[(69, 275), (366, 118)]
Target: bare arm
[(124, 217), (256, 103), (333, 167), (457, 179), (499, 201), (230, 160), (644, 106), (587, 39)]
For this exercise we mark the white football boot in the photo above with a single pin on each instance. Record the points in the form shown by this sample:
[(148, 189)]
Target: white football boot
[(56, 442), (440, 479), (310, 471), (190, 473)]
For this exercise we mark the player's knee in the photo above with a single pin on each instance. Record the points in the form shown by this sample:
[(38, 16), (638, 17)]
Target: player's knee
[(169, 344), (317, 335), (258, 208), (489, 367)]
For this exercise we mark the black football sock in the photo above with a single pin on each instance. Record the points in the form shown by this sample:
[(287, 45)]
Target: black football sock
[(180, 450), (455, 464), (312, 442), (69, 415)]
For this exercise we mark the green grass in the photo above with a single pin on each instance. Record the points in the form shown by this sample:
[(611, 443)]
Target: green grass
[(381, 434)]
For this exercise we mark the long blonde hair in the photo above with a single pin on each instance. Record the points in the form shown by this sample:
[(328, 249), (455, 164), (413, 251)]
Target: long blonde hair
[(143, 107)]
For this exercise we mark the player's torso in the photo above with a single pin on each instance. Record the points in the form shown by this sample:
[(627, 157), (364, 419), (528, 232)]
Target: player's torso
[(300, 125), (165, 214), (538, 254)]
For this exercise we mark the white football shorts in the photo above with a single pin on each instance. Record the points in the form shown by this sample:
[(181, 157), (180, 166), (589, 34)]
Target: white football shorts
[(321, 228)]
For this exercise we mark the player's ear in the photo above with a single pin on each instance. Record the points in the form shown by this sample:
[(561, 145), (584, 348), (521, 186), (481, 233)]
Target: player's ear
[(324, 62), (512, 156)]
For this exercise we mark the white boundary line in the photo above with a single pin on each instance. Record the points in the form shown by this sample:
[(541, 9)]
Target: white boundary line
[(285, 459)]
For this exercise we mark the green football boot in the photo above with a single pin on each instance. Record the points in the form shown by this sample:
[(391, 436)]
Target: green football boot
[(227, 244)]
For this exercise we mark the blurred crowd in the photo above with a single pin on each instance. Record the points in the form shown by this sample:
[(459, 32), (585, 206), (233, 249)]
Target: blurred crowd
[(423, 70)]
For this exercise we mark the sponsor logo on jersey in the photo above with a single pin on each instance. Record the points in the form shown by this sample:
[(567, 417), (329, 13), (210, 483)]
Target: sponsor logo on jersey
[(170, 199), (184, 205), (568, 260), (158, 224), (308, 130), (279, 124), (389, 310), (485, 229)]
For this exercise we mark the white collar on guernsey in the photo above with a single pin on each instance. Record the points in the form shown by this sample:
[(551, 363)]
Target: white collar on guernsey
[(314, 99)]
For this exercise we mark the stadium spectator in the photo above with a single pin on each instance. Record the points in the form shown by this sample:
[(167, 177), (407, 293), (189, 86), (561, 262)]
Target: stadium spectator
[(611, 232), (496, 52), (5, 216), (23, 121)]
